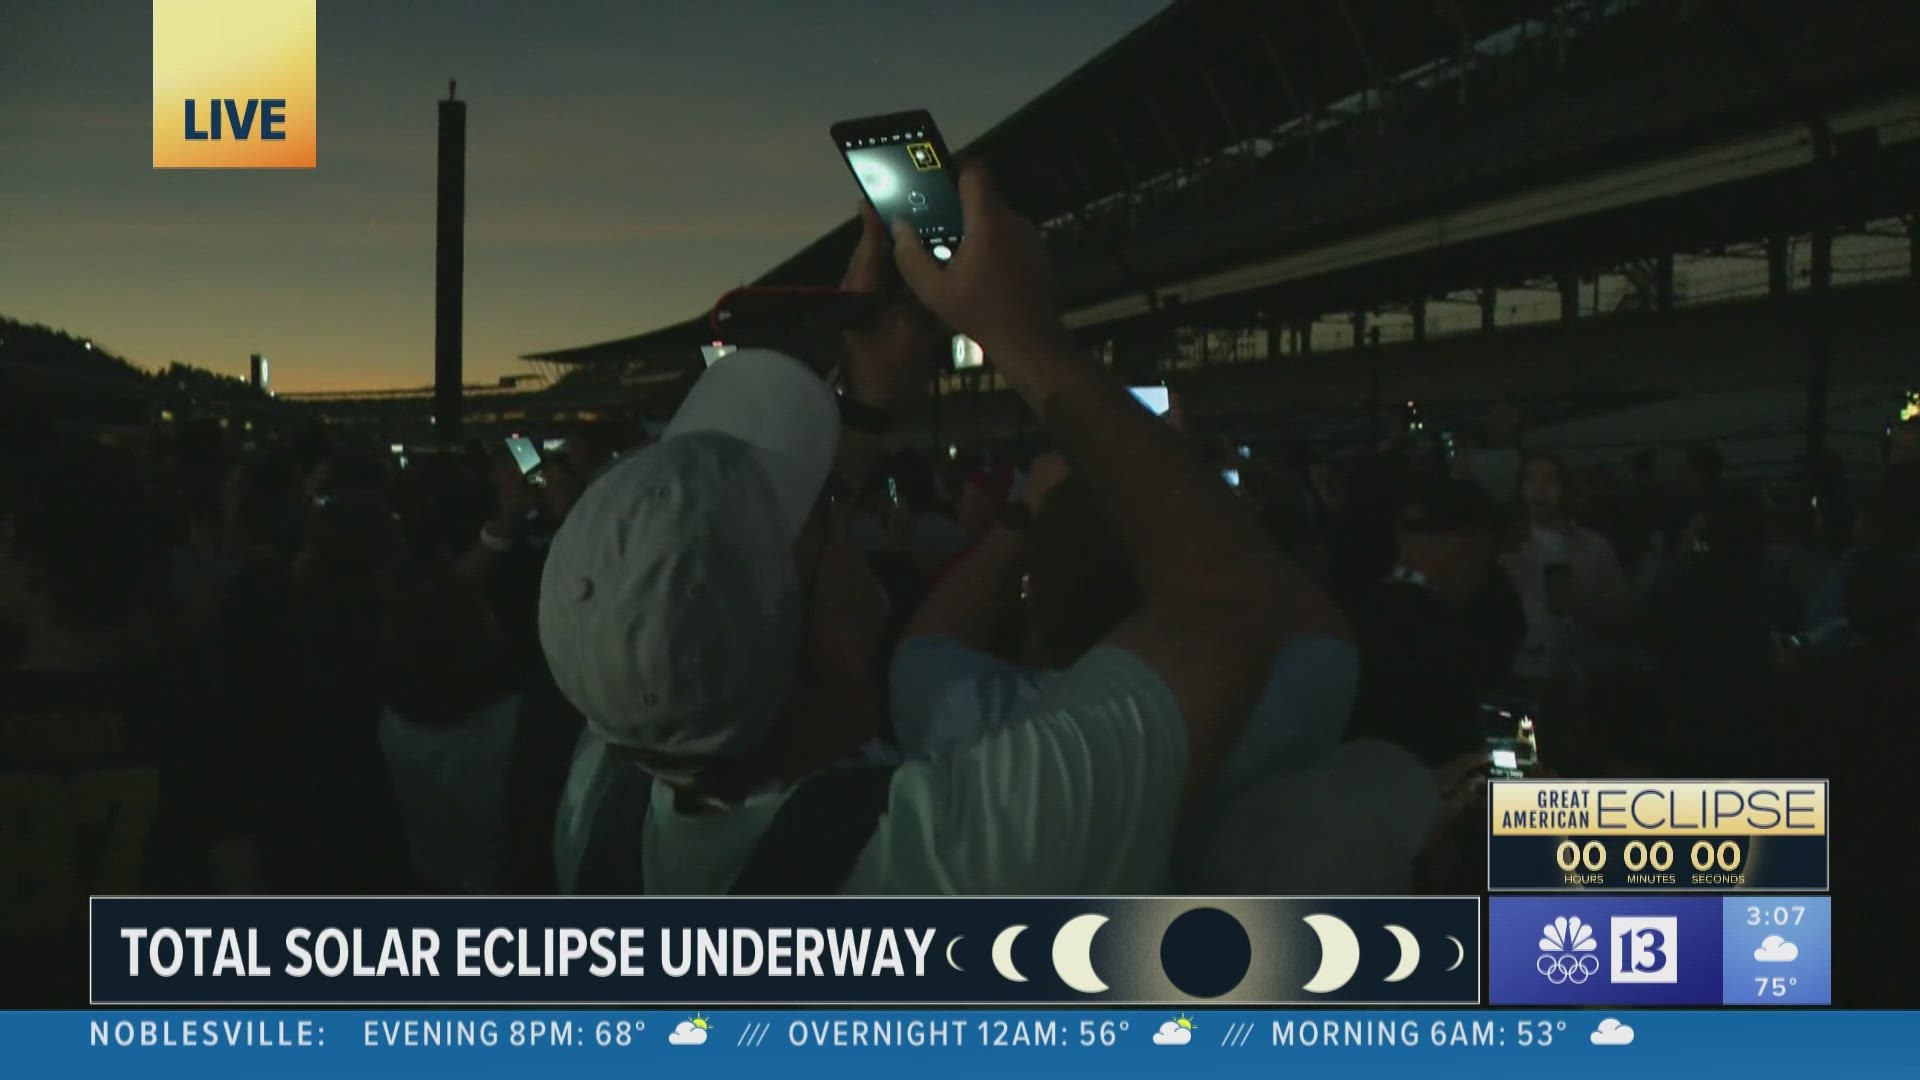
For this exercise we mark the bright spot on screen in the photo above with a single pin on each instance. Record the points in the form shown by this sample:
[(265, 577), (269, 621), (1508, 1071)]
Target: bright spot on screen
[(967, 352), (877, 179)]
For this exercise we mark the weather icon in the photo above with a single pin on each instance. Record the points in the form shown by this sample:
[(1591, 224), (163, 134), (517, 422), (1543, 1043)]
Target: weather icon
[(691, 1032), (1611, 1032), (1775, 949), (1175, 1032)]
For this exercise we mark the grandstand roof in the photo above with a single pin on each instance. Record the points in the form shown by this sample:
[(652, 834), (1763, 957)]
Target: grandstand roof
[(1208, 73)]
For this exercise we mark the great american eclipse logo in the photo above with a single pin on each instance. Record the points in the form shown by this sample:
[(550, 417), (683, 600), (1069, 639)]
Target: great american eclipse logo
[(234, 85)]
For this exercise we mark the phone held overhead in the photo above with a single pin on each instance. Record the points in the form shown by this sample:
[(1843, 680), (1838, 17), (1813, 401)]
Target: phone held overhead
[(527, 457), (904, 168)]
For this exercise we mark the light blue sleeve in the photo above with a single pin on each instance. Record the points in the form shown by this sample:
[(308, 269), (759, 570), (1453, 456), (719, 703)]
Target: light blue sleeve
[(1301, 714), (942, 694)]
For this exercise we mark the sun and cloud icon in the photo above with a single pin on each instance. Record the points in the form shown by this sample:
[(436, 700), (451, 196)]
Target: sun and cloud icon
[(691, 1031), (1775, 949), (1175, 1032), (1611, 1032)]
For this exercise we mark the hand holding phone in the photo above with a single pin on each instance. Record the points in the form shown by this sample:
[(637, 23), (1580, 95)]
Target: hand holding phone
[(527, 457), (903, 166), (998, 289)]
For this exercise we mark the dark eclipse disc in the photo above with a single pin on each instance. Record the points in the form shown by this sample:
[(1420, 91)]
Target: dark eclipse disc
[(1205, 953)]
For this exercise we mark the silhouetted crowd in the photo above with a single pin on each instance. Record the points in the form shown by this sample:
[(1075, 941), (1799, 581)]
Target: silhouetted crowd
[(773, 652)]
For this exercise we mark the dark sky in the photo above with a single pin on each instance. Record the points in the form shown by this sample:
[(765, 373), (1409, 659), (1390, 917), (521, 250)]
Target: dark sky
[(628, 160)]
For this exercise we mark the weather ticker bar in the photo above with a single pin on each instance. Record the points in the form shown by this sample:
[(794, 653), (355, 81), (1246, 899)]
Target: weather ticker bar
[(1657, 835)]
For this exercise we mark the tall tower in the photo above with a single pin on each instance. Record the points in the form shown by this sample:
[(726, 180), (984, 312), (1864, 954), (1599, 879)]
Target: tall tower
[(450, 267)]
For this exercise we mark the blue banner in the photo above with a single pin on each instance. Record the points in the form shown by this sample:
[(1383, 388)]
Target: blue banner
[(1225, 1044), (1675, 950), (741, 951)]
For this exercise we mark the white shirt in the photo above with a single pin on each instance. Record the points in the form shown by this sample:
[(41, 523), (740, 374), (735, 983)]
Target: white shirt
[(1350, 825), (1078, 795), (451, 783)]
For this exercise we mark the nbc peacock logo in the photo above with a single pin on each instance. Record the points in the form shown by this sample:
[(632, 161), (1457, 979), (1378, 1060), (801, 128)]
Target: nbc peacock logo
[(1567, 948)]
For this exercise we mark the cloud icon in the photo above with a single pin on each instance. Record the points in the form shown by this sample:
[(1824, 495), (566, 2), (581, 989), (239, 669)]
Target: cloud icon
[(1776, 950), (1611, 1032), (685, 1034), (1172, 1034)]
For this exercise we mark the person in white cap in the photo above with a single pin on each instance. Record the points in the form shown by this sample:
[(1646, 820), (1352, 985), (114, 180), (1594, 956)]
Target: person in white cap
[(699, 602)]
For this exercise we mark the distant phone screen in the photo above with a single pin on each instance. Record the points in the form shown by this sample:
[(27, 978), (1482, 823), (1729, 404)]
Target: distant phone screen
[(1155, 398), (524, 454), (967, 353), (1512, 742), (1231, 476), (710, 353), (903, 166)]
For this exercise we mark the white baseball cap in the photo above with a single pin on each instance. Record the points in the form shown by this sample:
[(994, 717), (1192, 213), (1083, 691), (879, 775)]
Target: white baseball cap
[(670, 610)]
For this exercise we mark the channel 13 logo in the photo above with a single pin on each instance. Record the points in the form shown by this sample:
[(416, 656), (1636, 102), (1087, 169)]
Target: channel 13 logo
[(234, 85), (1605, 952)]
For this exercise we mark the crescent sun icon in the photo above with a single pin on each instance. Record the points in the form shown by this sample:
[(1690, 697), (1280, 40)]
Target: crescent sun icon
[(1339, 954), (1072, 953), (1003, 954), (950, 946), (1460, 957), (1409, 953)]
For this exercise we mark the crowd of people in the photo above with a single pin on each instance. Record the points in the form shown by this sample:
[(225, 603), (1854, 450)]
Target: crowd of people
[(772, 652)]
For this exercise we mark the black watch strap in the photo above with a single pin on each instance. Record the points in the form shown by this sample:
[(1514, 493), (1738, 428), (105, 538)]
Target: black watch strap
[(859, 416)]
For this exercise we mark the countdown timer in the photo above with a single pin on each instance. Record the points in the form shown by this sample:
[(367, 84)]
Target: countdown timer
[(1657, 835)]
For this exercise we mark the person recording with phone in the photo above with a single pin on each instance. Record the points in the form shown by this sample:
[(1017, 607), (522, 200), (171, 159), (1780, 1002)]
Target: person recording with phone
[(748, 691), (1569, 580)]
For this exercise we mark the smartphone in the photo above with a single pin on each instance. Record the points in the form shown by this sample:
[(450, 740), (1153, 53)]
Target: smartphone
[(1231, 476), (893, 491), (553, 446), (1245, 452), (906, 171), (1155, 398), (713, 352), (525, 456), (1512, 740), (967, 353)]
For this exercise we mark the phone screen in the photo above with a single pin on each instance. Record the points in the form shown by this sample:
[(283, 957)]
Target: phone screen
[(967, 353), (713, 352), (524, 454), (1155, 398), (1512, 742), (903, 165), (1231, 476)]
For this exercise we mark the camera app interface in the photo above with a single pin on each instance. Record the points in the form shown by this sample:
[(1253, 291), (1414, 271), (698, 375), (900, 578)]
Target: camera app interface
[(905, 175)]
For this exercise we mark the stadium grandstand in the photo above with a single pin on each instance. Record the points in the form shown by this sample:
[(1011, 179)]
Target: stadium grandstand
[(1304, 215), (48, 376)]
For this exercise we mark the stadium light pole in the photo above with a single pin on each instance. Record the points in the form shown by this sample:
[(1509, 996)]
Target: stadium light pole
[(449, 269)]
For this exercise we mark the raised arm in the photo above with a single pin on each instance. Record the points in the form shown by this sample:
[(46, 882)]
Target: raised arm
[(973, 600), (1218, 597), (886, 364)]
